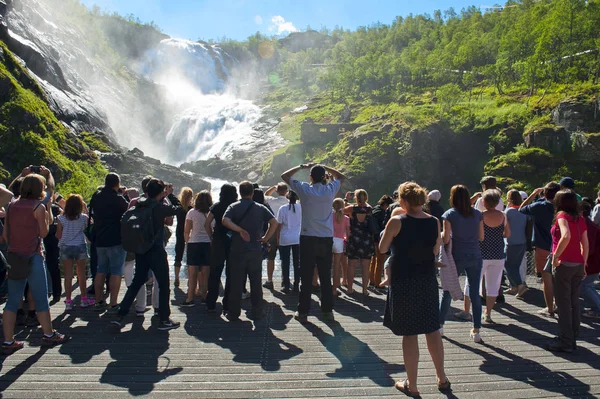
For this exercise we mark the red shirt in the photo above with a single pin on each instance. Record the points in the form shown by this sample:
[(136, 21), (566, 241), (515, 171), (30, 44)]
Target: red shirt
[(572, 252)]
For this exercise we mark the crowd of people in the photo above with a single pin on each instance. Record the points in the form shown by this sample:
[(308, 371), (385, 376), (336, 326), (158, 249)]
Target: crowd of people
[(399, 244)]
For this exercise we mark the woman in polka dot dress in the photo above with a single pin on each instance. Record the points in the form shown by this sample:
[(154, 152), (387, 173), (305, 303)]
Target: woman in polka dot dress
[(413, 297)]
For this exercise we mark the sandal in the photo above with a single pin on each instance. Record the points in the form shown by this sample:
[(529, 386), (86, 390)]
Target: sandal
[(403, 387), (445, 387), (55, 339)]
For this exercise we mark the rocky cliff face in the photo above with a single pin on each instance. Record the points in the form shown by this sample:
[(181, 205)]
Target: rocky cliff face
[(75, 62)]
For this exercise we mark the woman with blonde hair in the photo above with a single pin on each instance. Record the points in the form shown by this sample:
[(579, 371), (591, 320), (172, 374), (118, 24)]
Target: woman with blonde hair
[(198, 246), (341, 230), (186, 196), (360, 247), (412, 302)]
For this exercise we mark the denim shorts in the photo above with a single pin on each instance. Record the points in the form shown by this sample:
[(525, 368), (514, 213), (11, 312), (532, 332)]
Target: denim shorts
[(38, 285), (74, 252), (111, 260)]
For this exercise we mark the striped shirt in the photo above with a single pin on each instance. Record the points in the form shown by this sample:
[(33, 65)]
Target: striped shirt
[(72, 234)]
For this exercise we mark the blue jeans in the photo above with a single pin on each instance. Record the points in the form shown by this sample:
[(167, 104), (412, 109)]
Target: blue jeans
[(38, 285), (589, 293), (514, 257), (111, 260), (472, 265)]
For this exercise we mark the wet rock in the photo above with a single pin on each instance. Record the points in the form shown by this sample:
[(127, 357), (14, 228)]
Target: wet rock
[(553, 139), (133, 167), (577, 116)]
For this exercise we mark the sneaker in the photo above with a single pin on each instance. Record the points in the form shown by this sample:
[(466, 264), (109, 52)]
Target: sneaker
[(511, 291), (119, 322), (328, 317), (68, 305), (87, 302), (557, 346), (100, 306), (590, 314), (488, 319), (245, 295), (463, 316), (301, 317), (476, 337), (55, 339), (113, 309), (545, 312), (187, 304), (229, 317), (12, 348), (522, 292), (268, 285), (168, 325)]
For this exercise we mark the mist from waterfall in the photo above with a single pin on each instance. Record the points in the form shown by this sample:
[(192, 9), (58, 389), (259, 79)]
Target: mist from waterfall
[(209, 119)]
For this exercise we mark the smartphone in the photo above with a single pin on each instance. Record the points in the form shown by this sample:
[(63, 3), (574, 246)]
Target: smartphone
[(351, 195), (35, 169), (59, 198)]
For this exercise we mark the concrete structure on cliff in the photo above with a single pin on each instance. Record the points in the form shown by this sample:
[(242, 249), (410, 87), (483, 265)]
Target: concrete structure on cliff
[(311, 132)]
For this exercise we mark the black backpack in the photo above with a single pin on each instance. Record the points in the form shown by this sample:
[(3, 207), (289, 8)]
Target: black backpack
[(137, 227)]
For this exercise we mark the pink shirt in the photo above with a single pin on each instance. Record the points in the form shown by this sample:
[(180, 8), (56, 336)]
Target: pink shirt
[(572, 252), (339, 229)]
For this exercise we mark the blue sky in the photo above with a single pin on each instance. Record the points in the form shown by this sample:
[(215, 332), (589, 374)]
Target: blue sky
[(238, 19)]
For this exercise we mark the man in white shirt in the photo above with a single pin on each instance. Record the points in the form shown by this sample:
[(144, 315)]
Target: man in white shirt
[(487, 183), (275, 203)]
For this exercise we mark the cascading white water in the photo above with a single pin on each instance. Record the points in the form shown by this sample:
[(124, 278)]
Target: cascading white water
[(209, 121)]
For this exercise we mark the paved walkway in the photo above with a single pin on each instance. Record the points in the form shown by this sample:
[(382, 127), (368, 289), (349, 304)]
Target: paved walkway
[(277, 357)]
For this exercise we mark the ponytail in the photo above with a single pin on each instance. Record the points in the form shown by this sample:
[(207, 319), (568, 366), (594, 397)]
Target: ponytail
[(292, 197), (338, 207)]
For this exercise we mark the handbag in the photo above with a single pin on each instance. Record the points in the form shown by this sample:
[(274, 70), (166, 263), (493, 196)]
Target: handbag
[(19, 266)]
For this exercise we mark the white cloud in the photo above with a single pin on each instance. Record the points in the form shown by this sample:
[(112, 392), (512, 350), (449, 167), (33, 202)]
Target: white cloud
[(280, 25), (258, 19)]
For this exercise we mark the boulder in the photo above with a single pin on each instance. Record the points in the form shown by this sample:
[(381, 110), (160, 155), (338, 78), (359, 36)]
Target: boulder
[(577, 116), (553, 139)]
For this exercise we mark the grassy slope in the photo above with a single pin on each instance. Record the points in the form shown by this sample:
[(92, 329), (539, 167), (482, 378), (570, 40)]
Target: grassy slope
[(31, 135), (485, 113)]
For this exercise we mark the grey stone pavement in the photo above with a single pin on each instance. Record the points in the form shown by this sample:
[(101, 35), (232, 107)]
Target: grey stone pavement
[(276, 357)]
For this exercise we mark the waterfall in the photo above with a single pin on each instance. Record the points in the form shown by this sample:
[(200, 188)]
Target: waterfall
[(210, 121)]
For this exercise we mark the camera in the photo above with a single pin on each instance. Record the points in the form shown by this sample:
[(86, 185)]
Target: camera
[(35, 169)]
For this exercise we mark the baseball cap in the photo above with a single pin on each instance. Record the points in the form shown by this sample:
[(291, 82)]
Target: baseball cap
[(434, 195), (523, 195), (567, 182)]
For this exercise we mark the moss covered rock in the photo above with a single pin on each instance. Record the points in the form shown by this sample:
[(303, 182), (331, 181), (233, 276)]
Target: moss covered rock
[(32, 135)]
